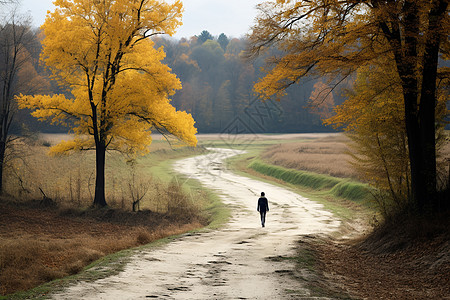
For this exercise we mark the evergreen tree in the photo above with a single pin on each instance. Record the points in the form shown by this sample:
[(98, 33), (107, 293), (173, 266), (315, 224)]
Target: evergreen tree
[(204, 36), (223, 41)]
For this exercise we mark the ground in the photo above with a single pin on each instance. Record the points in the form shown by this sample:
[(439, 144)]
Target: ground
[(39, 244), (415, 271), (414, 267), (237, 261)]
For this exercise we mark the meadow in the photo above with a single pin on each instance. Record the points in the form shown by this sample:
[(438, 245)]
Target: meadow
[(326, 155), (46, 240), (48, 229), (69, 179), (329, 155), (41, 241)]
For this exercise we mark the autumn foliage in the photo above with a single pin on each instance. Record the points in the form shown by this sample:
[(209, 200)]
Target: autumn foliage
[(374, 119), (118, 88), (333, 39)]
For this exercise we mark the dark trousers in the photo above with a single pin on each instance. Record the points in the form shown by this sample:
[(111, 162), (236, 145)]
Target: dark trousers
[(263, 217)]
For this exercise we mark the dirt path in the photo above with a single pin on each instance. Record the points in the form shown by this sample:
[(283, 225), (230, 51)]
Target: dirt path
[(231, 263)]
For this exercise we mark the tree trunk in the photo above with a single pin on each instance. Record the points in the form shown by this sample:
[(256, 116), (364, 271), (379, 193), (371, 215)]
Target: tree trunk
[(2, 160), (100, 156), (420, 129), (99, 198), (427, 112), (428, 151), (421, 119), (420, 99), (419, 182), (4, 128)]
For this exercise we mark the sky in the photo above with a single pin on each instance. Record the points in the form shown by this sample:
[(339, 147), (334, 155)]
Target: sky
[(232, 17)]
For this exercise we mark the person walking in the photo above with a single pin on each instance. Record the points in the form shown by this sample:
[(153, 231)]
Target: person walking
[(263, 208)]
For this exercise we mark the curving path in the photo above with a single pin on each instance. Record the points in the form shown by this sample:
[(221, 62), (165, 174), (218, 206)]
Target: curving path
[(231, 263)]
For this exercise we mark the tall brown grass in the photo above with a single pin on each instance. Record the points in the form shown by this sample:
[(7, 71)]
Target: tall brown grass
[(325, 155), (329, 155), (69, 180), (29, 260)]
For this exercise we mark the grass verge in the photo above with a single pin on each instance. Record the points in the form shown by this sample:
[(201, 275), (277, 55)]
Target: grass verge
[(338, 187), (345, 209)]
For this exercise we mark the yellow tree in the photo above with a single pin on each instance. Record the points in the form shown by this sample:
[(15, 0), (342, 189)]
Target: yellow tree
[(335, 37), (102, 51), (373, 116)]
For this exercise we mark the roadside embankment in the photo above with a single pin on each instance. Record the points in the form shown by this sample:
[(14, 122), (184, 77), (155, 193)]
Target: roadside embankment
[(338, 187)]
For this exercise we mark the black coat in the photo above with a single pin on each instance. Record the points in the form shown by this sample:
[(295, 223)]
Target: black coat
[(263, 204)]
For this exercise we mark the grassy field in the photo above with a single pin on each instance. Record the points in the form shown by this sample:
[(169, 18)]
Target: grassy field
[(326, 155), (69, 237), (40, 242), (69, 180)]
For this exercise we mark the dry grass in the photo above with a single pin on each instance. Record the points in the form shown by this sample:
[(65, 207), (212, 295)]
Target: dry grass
[(325, 155), (39, 244), (328, 155), (70, 180)]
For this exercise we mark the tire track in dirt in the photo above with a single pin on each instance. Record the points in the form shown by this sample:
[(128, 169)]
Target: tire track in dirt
[(230, 263)]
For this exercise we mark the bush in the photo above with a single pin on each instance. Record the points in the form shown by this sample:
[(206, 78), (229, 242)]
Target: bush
[(352, 191), (179, 204)]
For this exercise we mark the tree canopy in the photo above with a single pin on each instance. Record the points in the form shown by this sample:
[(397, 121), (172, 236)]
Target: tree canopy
[(204, 36), (223, 41)]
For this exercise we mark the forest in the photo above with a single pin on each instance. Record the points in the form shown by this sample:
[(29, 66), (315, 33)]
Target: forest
[(217, 89)]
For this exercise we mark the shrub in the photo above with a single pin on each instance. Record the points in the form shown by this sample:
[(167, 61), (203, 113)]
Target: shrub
[(179, 204)]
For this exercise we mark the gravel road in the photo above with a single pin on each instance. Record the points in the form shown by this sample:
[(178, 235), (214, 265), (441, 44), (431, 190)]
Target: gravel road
[(239, 261)]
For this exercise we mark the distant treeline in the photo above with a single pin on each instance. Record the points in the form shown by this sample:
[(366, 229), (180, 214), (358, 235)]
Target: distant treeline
[(217, 90)]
